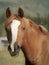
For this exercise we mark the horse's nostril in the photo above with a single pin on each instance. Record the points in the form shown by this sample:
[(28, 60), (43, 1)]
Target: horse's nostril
[(9, 48), (17, 47)]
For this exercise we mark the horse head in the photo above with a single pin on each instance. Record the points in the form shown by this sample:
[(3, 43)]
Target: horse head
[(15, 28)]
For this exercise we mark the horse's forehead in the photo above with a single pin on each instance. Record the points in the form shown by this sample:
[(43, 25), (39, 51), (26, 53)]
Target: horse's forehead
[(14, 25)]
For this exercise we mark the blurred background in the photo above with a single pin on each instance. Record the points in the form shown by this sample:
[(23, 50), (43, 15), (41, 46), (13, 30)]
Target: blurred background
[(36, 10)]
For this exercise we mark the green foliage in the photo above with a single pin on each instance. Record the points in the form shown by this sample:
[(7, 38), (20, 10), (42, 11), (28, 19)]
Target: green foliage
[(2, 21)]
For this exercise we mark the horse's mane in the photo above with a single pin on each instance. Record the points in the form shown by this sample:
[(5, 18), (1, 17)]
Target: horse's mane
[(43, 29), (40, 28)]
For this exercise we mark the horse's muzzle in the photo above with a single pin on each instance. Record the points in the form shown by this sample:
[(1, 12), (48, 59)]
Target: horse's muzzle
[(16, 50)]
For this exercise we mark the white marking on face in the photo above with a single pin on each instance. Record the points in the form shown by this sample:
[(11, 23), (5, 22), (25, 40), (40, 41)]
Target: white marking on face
[(14, 30)]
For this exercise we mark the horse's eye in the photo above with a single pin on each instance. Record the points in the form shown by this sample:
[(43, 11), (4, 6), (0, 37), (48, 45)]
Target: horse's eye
[(23, 28)]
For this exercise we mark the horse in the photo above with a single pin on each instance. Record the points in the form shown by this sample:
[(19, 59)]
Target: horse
[(31, 38)]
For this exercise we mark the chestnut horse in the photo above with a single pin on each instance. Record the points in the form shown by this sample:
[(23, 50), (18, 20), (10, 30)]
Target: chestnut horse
[(24, 34)]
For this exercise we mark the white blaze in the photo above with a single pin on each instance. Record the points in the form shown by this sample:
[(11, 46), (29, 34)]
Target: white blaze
[(14, 29)]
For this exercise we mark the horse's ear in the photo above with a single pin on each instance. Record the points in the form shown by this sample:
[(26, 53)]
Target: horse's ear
[(20, 12), (8, 12)]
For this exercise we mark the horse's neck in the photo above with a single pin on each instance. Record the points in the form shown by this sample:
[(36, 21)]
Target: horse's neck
[(28, 44), (32, 43)]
